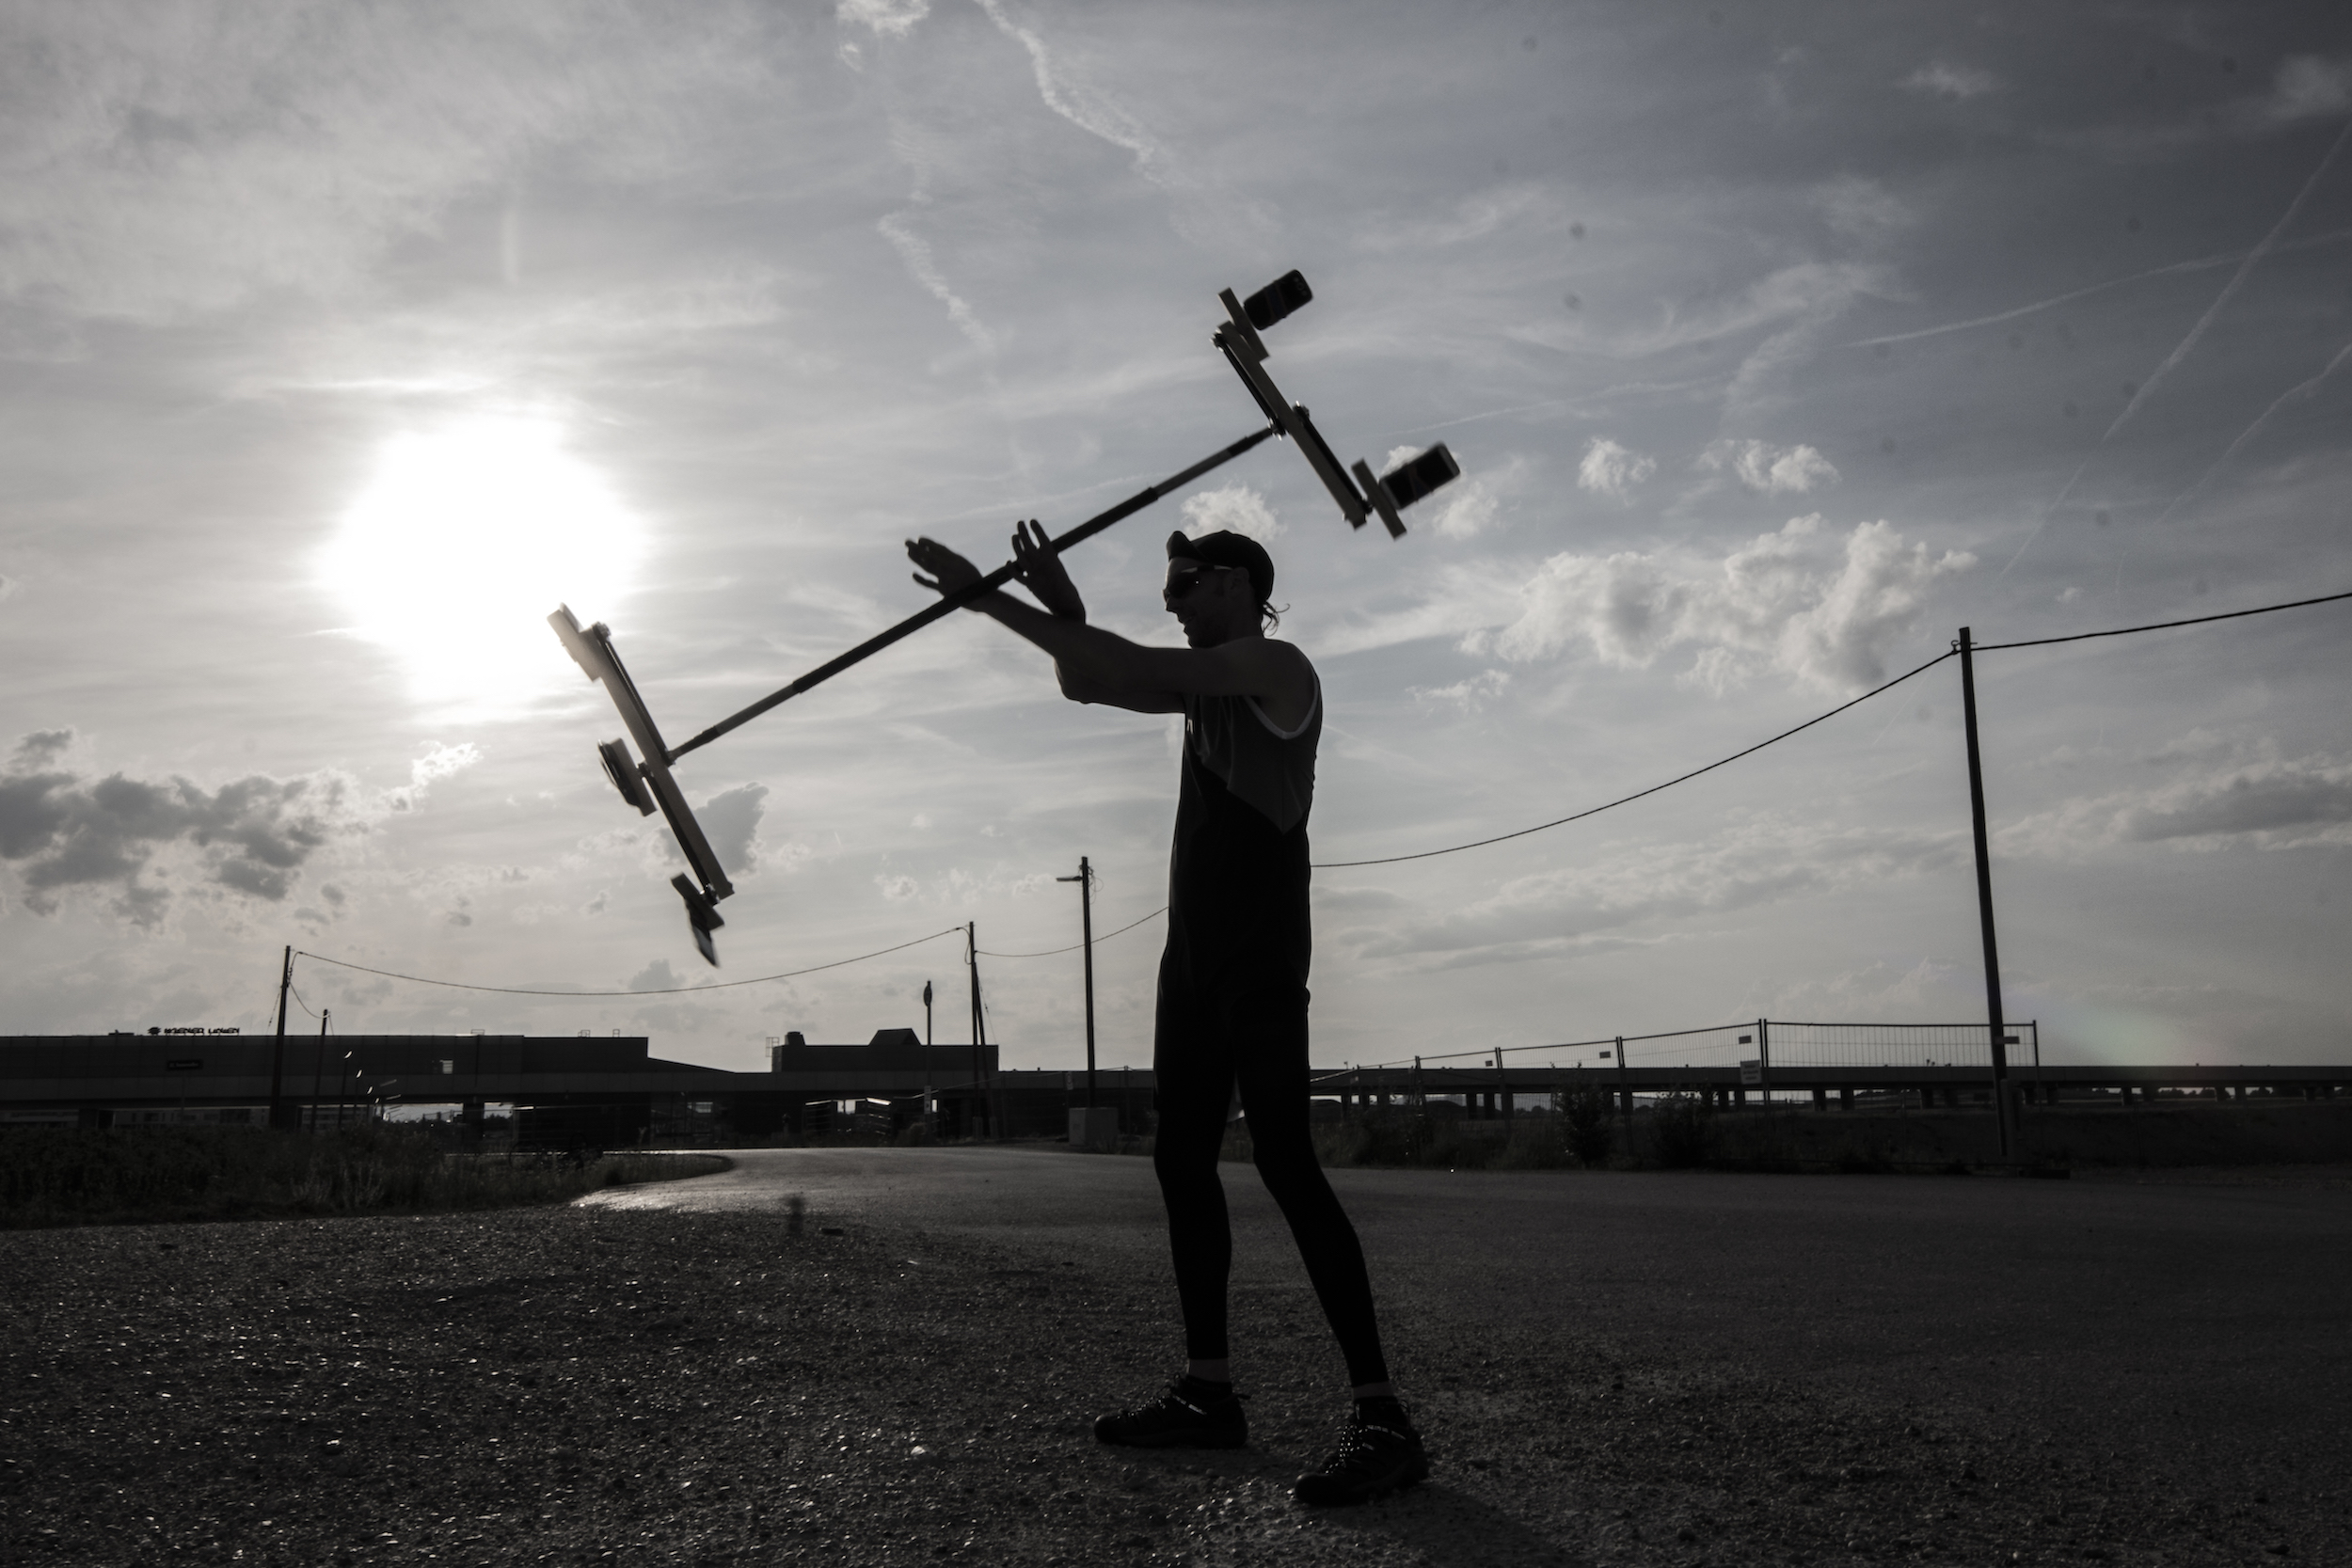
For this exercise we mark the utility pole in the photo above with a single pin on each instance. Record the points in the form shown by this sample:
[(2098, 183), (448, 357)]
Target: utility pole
[(2002, 1112), (926, 1015), (1084, 879), (979, 1029), (277, 1053)]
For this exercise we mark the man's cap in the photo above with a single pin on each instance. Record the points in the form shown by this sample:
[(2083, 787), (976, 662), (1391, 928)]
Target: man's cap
[(1226, 549)]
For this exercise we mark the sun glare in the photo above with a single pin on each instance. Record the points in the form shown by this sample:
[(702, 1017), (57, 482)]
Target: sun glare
[(463, 541)]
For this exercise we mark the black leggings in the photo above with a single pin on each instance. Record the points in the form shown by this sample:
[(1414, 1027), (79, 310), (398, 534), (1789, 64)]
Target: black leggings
[(1205, 1047)]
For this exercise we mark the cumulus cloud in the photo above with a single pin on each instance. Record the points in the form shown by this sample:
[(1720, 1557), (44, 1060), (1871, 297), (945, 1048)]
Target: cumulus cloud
[(440, 762), (1611, 469), (1782, 601), (1773, 470), (1233, 506), (1470, 505), (1959, 82), (2268, 802), (250, 837), (730, 821)]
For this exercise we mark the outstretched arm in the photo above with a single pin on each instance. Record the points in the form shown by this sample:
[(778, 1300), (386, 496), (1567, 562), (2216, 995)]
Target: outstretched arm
[(1102, 666)]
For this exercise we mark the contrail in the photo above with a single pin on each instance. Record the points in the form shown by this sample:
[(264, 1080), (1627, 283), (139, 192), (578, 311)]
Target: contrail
[(2201, 263), (2229, 290), (2292, 394)]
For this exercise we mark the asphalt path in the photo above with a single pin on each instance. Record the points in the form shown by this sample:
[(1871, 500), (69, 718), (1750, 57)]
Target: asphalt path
[(2158, 1368)]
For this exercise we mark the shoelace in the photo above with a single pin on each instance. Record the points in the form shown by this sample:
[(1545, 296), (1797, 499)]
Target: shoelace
[(1357, 1442)]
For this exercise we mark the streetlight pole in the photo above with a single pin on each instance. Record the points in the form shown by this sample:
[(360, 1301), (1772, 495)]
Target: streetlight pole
[(1084, 879)]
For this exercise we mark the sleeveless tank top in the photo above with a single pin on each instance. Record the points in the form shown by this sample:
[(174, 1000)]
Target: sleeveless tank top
[(1238, 871)]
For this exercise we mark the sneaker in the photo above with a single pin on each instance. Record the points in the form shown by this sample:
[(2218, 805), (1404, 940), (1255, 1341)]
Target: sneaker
[(1378, 1452), (1190, 1414)]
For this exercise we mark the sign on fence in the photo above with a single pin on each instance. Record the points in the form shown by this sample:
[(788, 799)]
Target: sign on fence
[(1750, 1073)]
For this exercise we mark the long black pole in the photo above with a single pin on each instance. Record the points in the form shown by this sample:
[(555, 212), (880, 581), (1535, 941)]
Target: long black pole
[(318, 1066), (1086, 929), (1984, 893), (971, 964), (950, 603), (277, 1053)]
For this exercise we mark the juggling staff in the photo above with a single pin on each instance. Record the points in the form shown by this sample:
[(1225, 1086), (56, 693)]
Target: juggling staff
[(644, 778)]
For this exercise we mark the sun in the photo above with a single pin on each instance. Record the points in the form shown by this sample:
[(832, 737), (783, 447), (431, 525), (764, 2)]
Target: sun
[(463, 540)]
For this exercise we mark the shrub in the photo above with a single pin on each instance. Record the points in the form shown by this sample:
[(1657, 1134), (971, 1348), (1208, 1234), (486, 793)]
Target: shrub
[(1682, 1129), (1588, 1124)]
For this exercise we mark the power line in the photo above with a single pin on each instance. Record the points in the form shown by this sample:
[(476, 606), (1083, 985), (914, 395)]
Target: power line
[(1981, 647), (1075, 945), (1339, 865), (2162, 625), (663, 990), (1626, 800)]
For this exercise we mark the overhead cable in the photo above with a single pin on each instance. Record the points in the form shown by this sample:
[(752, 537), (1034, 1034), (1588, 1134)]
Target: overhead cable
[(1626, 800), (1981, 648), (1075, 945), (659, 990), (2161, 625)]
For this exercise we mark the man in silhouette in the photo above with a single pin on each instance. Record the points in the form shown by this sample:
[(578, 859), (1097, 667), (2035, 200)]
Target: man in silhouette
[(1233, 990)]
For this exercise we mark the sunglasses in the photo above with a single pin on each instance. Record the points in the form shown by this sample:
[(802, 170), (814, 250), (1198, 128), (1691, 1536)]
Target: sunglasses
[(1183, 578)]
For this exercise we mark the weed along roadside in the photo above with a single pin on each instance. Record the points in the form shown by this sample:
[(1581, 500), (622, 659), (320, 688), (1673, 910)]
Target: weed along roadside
[(70, 1176)]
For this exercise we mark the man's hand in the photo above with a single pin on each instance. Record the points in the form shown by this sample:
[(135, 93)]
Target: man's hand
[(1043, 573), (949, 572)]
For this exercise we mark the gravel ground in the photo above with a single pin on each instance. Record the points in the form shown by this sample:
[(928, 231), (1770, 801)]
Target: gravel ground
[(603, 1383)]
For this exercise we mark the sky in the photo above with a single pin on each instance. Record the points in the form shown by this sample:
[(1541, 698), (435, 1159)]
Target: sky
[(340, 343)]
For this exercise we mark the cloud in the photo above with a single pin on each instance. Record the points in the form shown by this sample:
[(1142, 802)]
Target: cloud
[(1773, 470), (896, 888), (40, 749), (1773, 603), (2309, 87), (730, 821), (1611, 469), (1470, 695), (2266, 804), (159, 169), (1861, 209), (1758, 862), (1234, 506), (250, 837), (1956, 82), (1472, 505), (440, 762), (657, 975), (1077, 102), (888, 18), (915, 251)]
